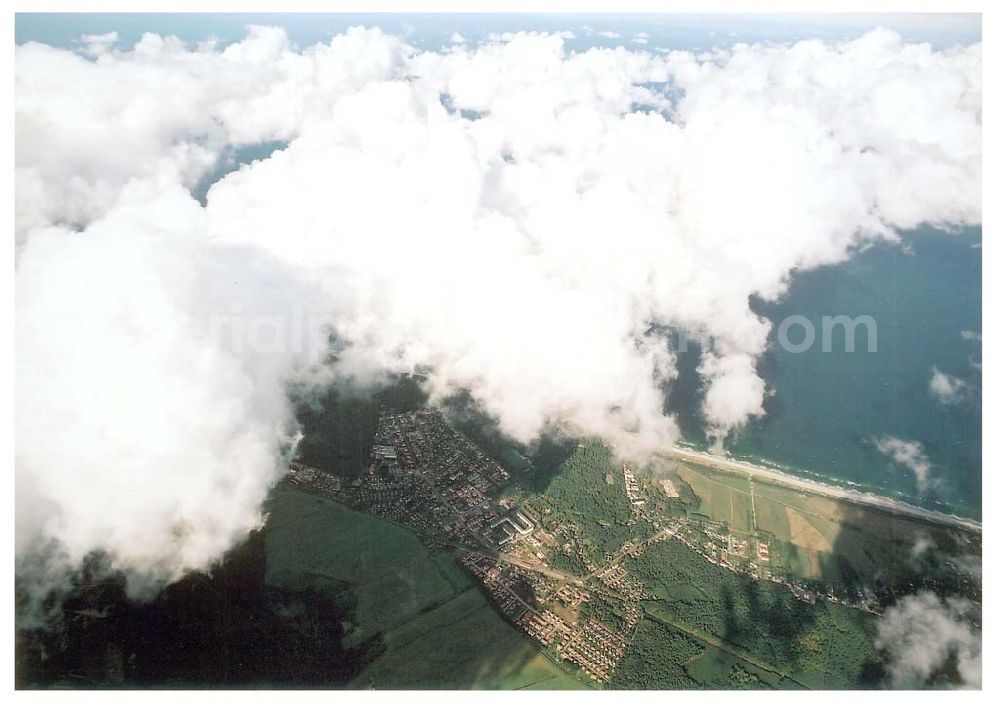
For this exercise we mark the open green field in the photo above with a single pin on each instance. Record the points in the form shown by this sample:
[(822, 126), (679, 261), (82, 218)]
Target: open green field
[(462, 643), (433, 627), (816, 537), (715, 668), (723, 497), (315, 542)]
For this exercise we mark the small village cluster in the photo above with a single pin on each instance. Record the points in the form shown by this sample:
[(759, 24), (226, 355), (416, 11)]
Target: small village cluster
[(426, 475)]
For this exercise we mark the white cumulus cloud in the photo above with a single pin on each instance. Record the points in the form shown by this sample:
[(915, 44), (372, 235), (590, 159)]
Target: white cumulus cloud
[(908, 454), (142, 428), (498, 216), (930, 641), (946, 388)]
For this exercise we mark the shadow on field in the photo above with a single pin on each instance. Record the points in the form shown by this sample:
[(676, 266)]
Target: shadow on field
[(339, 424), (769, 624), (534, 466), (226, 629), (874, 560), (818, 645)]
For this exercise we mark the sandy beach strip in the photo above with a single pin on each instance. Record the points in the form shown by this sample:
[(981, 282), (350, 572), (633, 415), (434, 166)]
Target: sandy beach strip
[(741, 467)]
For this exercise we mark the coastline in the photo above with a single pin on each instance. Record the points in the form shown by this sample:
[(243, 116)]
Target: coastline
[(893, 506)]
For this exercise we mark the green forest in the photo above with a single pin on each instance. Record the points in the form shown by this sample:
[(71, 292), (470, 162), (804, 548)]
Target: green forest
[(820, 645)]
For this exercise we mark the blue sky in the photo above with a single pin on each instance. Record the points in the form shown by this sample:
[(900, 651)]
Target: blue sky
[(689, 31)]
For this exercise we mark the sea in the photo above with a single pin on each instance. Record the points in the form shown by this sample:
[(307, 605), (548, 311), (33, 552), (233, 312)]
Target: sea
[(826, 411)]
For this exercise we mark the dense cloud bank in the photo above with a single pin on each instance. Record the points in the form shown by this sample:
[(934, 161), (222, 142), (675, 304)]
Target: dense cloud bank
[(518, 221)]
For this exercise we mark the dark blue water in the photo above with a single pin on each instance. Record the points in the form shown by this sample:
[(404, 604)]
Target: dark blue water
[(828, 406)]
